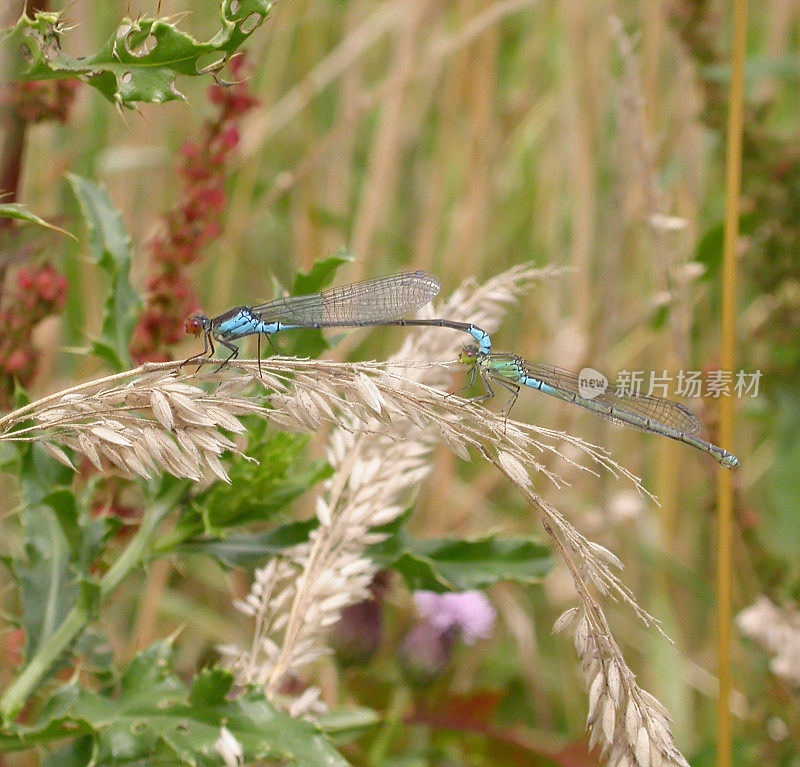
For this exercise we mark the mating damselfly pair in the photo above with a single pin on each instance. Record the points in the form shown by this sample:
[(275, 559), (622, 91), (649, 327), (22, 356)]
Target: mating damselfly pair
[(387, 301)]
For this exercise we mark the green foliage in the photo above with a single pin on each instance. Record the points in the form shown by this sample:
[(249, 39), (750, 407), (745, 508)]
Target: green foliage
[(311, 343), (441, 564), (321, 274), (708, 250), (61, 543), (780, 522), (533, 158), (342, 724), (21, 213), (251, 550), (274, 472), (47, 590), (96, 657), (454, 564), (110, 249), (140, 61), (155, 717)]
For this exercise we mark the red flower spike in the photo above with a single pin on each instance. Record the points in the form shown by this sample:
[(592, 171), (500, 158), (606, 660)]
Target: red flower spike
[(18, 361), (192, 223)]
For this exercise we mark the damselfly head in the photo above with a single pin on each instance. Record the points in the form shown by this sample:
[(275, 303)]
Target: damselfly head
[(469, 354), (196, 324)]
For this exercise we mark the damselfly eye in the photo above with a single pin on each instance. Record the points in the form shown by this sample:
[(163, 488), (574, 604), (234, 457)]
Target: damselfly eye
[(469, 354), (194, 325)]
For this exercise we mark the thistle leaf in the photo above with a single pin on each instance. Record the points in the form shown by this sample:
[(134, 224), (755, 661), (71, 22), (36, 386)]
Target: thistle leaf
[(141, 60)]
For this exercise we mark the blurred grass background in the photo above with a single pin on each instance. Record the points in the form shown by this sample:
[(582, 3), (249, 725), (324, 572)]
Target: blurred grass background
[(464, 137)]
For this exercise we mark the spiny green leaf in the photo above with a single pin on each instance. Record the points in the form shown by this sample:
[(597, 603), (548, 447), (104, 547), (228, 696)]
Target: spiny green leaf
[(158, 720), (259, 491), (211, 687), (451, 564), (140, 61), (150, 667), (110, 249), (78, 753), (15, 210), (436, 565)]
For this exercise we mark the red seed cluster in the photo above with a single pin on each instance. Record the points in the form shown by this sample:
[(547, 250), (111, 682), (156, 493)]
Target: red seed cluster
[(41, 100), (39, 292), (192, 223)]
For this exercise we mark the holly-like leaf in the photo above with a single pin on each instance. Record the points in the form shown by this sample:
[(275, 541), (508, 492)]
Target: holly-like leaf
[(140, 61), (439, 564), (258, 489), (21, 213), (455, 565), (110, 249), (157, 720)]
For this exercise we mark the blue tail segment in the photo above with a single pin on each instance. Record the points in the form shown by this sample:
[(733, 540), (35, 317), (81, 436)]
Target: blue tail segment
[(646, 413), (482, 337)]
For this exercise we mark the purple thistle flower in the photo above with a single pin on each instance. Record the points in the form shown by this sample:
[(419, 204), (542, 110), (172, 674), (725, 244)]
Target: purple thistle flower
[(426, 653), (470, 612)]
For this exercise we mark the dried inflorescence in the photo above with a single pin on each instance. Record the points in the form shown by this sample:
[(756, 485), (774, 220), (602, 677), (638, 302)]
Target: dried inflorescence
[(153, 424), (388, 417), (294, 599), (629, 724), (631, 727)]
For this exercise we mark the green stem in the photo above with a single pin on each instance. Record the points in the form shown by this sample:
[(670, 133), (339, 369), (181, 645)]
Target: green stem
[(391, 724), (167, 543), (47, 654)]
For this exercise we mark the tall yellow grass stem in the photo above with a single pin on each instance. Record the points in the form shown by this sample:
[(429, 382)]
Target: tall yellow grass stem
[(733, 178)]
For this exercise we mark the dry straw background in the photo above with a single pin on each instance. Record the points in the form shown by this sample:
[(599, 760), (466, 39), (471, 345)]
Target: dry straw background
[(468, 138)]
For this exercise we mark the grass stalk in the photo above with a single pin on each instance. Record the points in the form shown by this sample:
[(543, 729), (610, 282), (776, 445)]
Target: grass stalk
[(733, 178)]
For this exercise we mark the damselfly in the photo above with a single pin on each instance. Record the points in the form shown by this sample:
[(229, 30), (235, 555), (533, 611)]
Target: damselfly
[(645, 413), (381, 301)]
